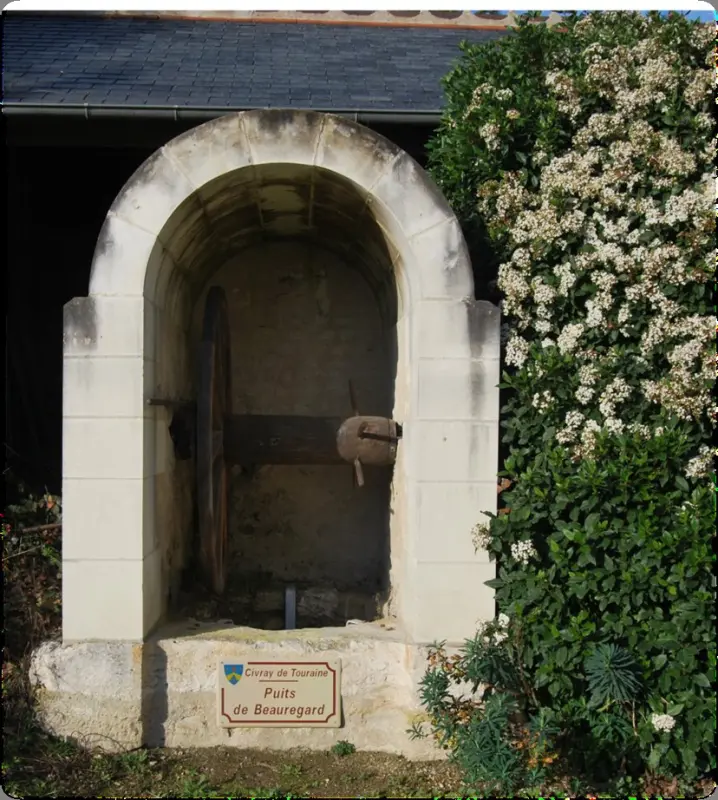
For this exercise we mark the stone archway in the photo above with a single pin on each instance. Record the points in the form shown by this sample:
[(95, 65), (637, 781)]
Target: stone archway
[(207, 195)]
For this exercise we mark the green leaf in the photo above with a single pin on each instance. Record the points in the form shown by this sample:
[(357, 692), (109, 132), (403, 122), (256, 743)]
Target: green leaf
[(591, 521)]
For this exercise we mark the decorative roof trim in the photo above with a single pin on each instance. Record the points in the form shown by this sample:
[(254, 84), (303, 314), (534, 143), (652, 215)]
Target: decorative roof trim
[(399, 19)]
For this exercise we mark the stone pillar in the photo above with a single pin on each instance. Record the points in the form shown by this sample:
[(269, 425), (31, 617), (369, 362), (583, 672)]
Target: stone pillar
[(111, 566)]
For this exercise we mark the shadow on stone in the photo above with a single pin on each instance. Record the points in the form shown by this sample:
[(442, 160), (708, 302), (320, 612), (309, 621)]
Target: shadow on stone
[(154, 701)]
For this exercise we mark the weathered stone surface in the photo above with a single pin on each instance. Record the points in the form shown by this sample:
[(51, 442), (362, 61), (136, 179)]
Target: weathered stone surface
[(187, 212), (115, 695)]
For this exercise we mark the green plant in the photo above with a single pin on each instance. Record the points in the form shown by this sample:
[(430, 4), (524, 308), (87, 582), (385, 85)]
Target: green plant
[(611, 674), (31, 613), (343, 748), (579, 160), (291, 770), (487, 731), (196, 786)]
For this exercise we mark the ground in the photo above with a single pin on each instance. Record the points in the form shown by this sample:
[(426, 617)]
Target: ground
[(42, 766), (62, 771)]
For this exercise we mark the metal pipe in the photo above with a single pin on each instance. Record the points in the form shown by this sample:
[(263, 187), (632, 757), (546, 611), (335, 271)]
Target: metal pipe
[(290, 607), (89, 110)]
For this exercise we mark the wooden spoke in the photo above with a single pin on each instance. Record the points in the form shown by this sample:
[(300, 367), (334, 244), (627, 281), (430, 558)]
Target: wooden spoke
[(213, 405)]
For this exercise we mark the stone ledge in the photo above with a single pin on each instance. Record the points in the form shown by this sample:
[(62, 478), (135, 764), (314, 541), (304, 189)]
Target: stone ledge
[(118, 695)]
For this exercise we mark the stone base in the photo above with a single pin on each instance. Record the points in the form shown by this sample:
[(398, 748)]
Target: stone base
[(118, 695)]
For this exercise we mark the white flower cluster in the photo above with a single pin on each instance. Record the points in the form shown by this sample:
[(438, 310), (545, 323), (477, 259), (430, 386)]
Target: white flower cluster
[(510, 200), (480, 535), (685, 389), (523, 551), (689, 205), (567, 277), (566, 93), (642, 430), (542, 401), (482, 91), (501, 630), (637, 244), (568, 339), (569, 432), (699, 88), (663, 722), (700, 466), (490, 134), (517, 351), (616, 392), (587, 445), (495, 631), (659, 73)]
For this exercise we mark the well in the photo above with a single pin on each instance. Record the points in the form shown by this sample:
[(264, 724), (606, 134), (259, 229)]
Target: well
[(340, 261)]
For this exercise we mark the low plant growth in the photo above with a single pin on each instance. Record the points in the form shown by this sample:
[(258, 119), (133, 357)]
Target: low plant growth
[(580, 162), (31, 609)]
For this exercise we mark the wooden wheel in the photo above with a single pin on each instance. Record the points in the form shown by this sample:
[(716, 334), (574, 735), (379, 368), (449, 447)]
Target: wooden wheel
[(213, 405)]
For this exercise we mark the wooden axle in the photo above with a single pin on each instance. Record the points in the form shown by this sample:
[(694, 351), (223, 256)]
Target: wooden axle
[(249, 439), (265, 439)]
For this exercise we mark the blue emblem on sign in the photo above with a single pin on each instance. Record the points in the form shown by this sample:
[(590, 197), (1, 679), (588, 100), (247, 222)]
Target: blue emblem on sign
[(233, 673)]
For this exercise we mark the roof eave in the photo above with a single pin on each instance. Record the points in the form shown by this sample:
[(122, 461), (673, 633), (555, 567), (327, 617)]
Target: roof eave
[(177, 113)]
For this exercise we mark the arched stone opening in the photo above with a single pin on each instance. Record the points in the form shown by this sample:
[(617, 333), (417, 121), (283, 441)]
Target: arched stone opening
[(227, 202), (310, 283)]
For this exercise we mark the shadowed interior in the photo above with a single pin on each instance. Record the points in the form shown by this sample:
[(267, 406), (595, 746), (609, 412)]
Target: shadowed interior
[(309, 278)]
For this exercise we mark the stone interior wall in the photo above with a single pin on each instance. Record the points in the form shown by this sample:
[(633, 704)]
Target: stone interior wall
[(303, 323), (168, 326)]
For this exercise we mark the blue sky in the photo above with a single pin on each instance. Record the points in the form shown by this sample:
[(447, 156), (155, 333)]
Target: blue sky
[(706, 16)]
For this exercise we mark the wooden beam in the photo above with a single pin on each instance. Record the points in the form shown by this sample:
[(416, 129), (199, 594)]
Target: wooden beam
[(275, 439)]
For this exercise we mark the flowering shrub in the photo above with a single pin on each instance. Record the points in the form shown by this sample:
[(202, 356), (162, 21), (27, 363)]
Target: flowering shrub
[(580, 162)]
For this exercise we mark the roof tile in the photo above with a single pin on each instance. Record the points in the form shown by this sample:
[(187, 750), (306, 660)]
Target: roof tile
[(238, 64)]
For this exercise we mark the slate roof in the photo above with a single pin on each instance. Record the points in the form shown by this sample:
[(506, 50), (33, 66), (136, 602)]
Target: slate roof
[(169, 62)]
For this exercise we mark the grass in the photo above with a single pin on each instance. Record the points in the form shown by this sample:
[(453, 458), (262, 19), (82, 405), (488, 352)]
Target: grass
[(47, 767)]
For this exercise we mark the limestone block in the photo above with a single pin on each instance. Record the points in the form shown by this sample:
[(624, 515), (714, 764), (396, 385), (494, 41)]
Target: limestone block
[(211, 150), (446, 516), (102, 600), (458, 388), (442, 262), (442, 329), (105, 387), (151, 197), (122, 253), (451, 601), (282, 136), (412, 196), (107, 520), (354, 152), (105, 326), (103, 448), (456, 450), (117, 695)]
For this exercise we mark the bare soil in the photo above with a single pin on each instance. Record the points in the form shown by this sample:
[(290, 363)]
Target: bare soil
[(227, 773)]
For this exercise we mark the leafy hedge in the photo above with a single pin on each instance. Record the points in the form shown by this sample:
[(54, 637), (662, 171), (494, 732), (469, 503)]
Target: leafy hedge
[(579, 160)]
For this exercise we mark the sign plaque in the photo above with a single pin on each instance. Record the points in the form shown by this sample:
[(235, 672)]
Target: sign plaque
[(279, 694)]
